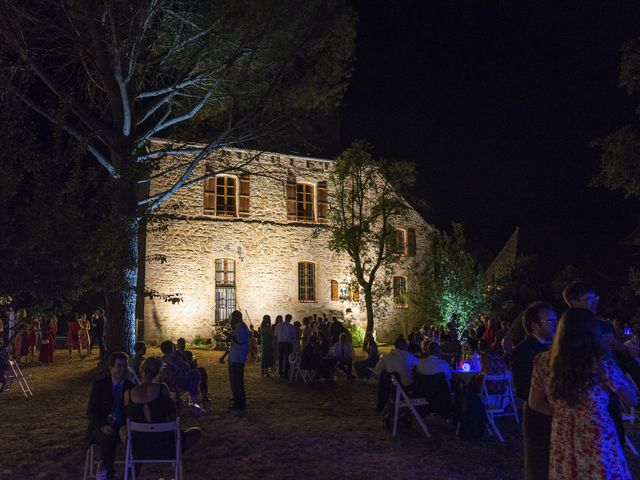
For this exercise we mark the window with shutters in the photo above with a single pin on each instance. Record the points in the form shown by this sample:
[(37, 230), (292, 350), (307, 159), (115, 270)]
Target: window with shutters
[(305, 211), (345, 291), (399, 241), (400, 292), (411, 242), (221, 196), (306, 282)]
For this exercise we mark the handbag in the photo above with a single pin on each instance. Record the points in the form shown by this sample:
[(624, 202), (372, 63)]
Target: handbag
[(45, 342)]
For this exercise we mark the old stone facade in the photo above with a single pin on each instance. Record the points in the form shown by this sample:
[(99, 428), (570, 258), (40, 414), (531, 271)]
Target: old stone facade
[(256, 242)]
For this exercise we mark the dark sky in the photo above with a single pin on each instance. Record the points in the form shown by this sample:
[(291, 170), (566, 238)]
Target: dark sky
[(497, 103)]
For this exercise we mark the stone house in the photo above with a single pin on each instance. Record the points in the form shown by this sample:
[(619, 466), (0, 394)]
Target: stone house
[(255, 242)]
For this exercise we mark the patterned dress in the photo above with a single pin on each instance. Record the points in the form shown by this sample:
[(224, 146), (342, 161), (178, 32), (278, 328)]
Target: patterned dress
[(584, 443)]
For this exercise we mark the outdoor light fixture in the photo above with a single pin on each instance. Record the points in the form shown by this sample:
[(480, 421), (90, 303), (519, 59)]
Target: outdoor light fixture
[(240, 255)]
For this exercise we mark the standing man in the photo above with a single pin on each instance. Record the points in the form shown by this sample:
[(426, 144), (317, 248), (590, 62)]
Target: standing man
[(97, 328), (286, 334), (105, 410), (238, 352), (539, 322)]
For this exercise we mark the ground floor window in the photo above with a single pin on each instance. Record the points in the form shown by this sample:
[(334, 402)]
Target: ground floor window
[(345, 291), (400, 292), (225, 294), (306, 282)]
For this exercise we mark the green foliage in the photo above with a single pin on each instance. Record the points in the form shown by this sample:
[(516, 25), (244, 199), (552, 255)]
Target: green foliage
[(366, 201), (357, 334), (452, 283), (513, 288)]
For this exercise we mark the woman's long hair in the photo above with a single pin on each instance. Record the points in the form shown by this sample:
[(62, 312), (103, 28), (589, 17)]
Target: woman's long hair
[(577, 348)]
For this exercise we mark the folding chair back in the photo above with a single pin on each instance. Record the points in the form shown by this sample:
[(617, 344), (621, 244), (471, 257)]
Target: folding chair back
[(501, 403), (151, 428), (629, 415), (402, 400), (15, 374)]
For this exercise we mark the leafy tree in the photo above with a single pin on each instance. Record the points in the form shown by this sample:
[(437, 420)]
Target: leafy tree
[(114, 74), (366, 202), (452, 283), (620, 151), (52, 212), (513, 288)]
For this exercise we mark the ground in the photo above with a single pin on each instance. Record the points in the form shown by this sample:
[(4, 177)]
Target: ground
[(287, 432)]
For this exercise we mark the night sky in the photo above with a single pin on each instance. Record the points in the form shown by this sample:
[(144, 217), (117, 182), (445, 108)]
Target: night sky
[(497, 104)]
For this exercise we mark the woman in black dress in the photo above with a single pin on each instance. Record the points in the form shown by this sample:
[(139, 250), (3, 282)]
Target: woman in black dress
[(150, 402)]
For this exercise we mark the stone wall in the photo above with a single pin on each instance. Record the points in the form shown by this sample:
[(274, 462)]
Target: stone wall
[(266, 248)]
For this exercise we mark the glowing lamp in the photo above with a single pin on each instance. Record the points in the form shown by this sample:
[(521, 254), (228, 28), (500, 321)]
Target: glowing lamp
[(465, 366)]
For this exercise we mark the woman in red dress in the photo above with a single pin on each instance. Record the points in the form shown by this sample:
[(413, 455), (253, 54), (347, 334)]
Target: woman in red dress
[(30, 336), (572, 383), (48, 341), (73, 336)]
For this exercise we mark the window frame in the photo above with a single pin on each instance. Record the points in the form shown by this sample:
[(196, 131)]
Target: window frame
[(304, 287), (398, 300), (312, 194), (401, 249)]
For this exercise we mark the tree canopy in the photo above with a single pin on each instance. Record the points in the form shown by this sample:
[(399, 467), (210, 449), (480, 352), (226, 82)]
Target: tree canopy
[(366, 201), (114, 74)]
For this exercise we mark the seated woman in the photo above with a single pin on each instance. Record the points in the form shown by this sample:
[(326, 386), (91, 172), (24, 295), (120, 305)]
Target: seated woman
[(364, 368), (150, 402), (492, 361)]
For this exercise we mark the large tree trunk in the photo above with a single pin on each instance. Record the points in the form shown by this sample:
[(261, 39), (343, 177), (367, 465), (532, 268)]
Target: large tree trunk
[(121, 297), (368, 300)]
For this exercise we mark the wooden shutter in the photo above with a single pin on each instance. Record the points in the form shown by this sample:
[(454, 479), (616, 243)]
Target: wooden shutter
[(411, 239), (210, 194), (291, 200), (355, 292), (323, 202), (334, 290), (245, 188)]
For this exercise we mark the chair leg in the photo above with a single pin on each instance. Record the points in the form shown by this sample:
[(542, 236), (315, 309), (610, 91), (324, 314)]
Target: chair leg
[(495, 428), (631, 446), (395, 413)]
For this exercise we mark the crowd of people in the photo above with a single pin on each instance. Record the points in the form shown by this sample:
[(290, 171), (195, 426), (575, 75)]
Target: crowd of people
[(22, 335), (318, 345), (574, 375)]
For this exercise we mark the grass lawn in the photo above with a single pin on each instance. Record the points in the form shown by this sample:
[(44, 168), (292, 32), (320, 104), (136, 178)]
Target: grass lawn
[(324, 431)]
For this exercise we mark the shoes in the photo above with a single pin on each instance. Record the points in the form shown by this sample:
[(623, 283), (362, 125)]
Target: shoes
[(206, 397), (197, 410)]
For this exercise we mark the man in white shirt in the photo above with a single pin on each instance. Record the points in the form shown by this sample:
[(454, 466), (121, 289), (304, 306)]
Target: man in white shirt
[(286, 335), (399, 361), (343, 353), (433, 364)]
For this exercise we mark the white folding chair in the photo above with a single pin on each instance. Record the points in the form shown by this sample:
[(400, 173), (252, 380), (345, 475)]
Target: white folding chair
[(402, 400), (499, 404), (295, 371), (91, 462), (629, 416), (15, 374), (176, 461)]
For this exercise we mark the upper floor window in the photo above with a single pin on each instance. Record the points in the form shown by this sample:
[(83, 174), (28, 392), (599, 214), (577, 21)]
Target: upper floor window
[(399, 292), (399, 241), (226, 196), (305, 211), (306, 282), (307, 202), (345, 291)]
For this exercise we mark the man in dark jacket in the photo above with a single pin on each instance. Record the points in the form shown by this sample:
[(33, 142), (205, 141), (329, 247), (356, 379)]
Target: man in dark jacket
[(105, 410), (539, 322)]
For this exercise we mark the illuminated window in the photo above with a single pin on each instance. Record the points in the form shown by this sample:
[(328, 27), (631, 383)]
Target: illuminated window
[(345, 291), (225, 196), (306, 282), (225, 272), (399, 292), (220, 196), (399, 241), (304, 203)]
